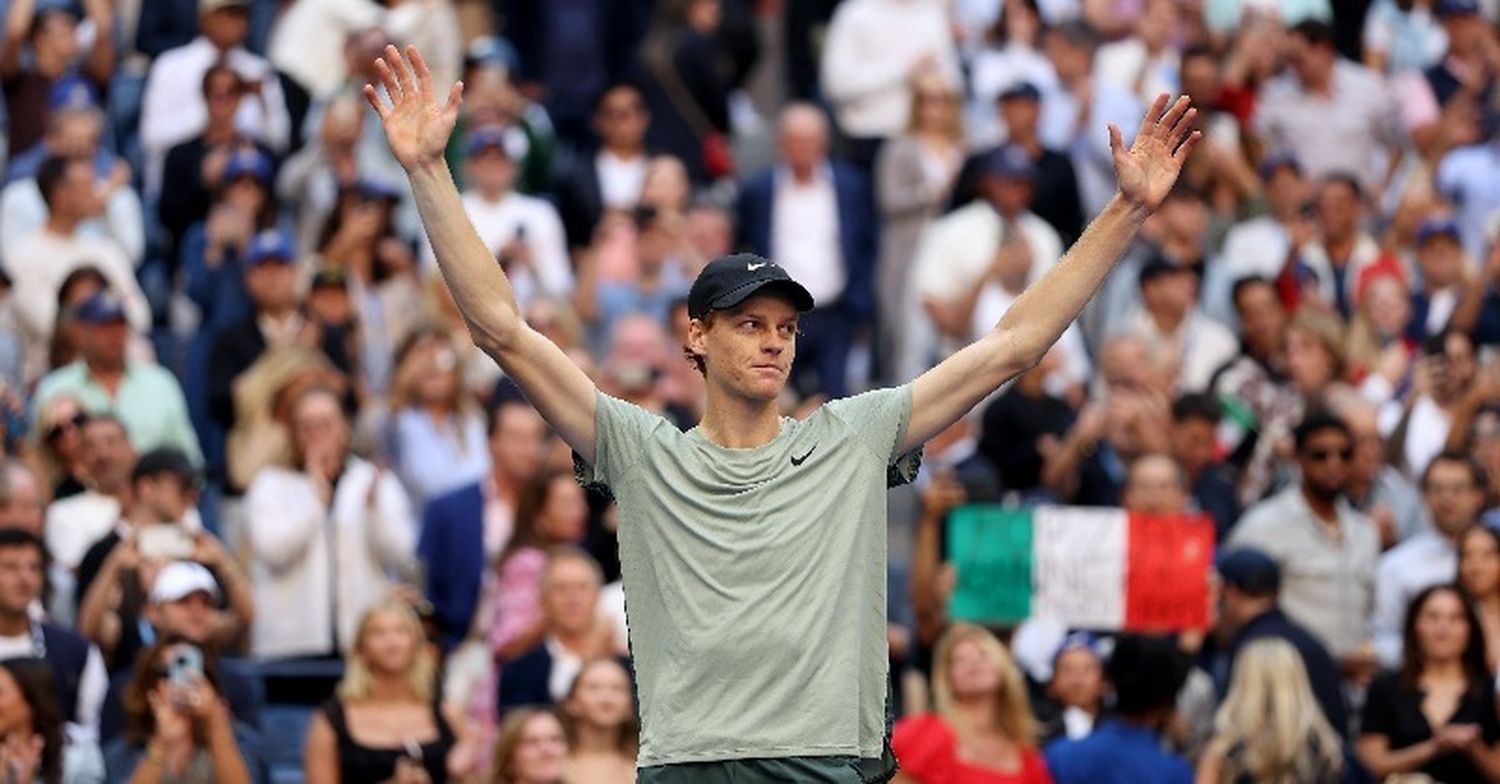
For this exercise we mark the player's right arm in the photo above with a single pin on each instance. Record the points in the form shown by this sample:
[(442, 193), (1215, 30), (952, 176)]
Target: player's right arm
[(417, 126)]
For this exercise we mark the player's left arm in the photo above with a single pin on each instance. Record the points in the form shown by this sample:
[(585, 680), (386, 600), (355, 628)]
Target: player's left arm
[(1146, 171)]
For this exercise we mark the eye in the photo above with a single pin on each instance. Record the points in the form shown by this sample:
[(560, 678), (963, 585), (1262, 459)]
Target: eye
[(788, 330), (748, 325)]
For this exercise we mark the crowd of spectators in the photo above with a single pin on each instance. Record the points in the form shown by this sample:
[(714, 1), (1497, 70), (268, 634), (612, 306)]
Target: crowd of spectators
[(267, 513)]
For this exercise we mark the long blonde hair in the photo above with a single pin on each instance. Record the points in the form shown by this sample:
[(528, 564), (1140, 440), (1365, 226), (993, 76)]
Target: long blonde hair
[(1012, 708), (422, 675), (1270, 721)]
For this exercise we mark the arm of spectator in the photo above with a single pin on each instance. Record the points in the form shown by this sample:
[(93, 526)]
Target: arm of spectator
[(97, 618), (942, 493), (1211, 763), (17, 26), (417, 126), (1060, 467), (239, 611), (100, 63), (282, 523), (586, 293), (1375, 753), (223, 748), (320, 755), (393, 527), (1146, 171), (1475, 291), (123, 217), (92, 687)]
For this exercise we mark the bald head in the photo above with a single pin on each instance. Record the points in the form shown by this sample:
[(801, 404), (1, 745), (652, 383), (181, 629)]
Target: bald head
[(803, 134), (22, 503), (1155, 484)]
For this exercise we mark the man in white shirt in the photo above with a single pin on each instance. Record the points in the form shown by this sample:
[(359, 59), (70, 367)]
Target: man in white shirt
[(612, 179), (1146, 63), (1175, 332), (173, 109), (76, 522), (1453, 489), (1259, 246), (1074, 115)]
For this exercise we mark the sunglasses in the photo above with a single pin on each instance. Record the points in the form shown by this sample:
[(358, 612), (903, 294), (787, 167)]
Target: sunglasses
[(71, 423), (1321, 455)]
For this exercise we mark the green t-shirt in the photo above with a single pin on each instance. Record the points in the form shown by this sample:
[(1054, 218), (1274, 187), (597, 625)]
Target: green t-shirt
[(755, 579)]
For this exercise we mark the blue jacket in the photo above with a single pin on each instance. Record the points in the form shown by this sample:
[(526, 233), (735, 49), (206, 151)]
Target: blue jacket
[(1116, 753), (858, 231), (452, 549), (524, 680)]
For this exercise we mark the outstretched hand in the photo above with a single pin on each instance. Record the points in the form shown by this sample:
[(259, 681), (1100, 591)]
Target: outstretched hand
[(1147, 169), (417, 124)]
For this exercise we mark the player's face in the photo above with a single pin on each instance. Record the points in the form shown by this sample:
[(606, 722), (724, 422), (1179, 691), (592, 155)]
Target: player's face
[(749, 349)]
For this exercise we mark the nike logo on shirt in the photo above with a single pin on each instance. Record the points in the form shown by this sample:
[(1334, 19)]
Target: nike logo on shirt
[(754, 267), (796, 461)]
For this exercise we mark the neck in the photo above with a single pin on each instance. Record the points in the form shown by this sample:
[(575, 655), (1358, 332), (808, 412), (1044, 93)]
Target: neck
[(506, 485), (219, 130), (278, 312), (737, 422), (978, 712), (593, 739), (1166, 320), (1339, 249), (575, 640), (106, 373), (389, 687), (437, 411), (138, 517), (1028, 142), (1322, 506), (625, 152), (1443, 669), (61, 223), (1357, 487), (803, 175), (12, 624)]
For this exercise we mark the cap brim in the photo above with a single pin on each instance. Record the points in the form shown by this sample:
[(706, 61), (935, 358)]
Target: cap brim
[(800, 297)]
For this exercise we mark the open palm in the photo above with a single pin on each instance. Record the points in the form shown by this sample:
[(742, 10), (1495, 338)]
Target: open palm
[(1148, 169), (417, 125)]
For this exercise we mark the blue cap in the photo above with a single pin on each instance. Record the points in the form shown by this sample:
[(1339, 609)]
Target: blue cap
[(1010, 161), (103, 307), (371, 188), (1081, 641), (270, 245), (1437, 226), (248, 161), (1455, 8), (72, 92), (1250, 570), (492, 50), (56, 6), (1275, 162), (1021, 90), (510, 141)]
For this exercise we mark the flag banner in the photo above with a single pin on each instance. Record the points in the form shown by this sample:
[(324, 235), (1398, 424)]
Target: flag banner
[(1085, 567)]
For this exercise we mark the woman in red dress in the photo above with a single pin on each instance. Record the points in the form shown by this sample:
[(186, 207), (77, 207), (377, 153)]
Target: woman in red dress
[(983, 731)]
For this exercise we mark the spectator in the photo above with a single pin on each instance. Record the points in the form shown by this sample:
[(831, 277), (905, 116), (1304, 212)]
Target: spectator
[(1292, 112), (1443, 659), (75, 523), (599, 713), (1444, 273), (569, 633), (332, 158), (59, 431), (320, 583), (1010, 56), (1155, 485), (1179, 338), (685, 78), (435, 438), (173, 108), (662, 279), (1327, 268), (38, 262), (1424, 422), (1195, 424), (1462, 176), (22, 498), (145, 397), (1373, 486), (1311, 523), (815, 216), (1453, 489), (533, 747), (1260, 246), (1255, 386), (1315, 361), (611, 180), (1021, 427), (979, 698), (1146, 674), (1081, 94), (48, 32), (1146, 62), (387, 722), (78, 674), (1269, 727), (117, 572), (1479, 579), (872, 102), (1077, 686), (1055, 196), (307, 41), (914, 177), (180, 730), (468, 528), (1402, 36), (31, 726)]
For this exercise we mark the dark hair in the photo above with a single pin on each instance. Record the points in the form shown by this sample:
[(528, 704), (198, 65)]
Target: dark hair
[(1244, 283), (104, 417), (1146, 672), (11, 538), (1476, 665), (1345, 179), (1196, 405), (1476, 471), (617, 84), (1316, 422), (1078, 34), (493, 413), (1314, 32), (33, 679), (50, 173), (1437, 343), (627, 735), (533, 496), (1199, 50), (220, 66), (88, 273), (140, 721), (1479, 529)]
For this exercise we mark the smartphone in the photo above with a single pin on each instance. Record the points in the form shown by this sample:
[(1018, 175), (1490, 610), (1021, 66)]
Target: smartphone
[(185, 667), (165, 542)]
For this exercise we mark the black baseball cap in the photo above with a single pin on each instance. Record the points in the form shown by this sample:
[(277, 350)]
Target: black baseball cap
[(729, 280), (1251, 571), (165, 461)]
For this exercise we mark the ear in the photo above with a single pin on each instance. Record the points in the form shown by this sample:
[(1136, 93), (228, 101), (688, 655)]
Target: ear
[(697, 336)]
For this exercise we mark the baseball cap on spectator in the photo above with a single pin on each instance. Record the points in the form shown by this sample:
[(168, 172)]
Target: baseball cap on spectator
[(72, 93), (1160, 266), (491, 50), (248, 161), (1277, 161), (165, 461), (1437, 226), (1082, 641), (729, 280), (209, 6), (1250, 570), (180, 579), (332, 277), (69, 7), (270, 245), (509, 141), (373, 190), (1010, 162), (1025, 91), (1455, 8), (104, 307)]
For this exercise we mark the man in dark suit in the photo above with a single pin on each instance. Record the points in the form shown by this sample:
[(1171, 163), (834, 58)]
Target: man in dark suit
[(816, 217), (572, 634), (613, 176), (464, 529)]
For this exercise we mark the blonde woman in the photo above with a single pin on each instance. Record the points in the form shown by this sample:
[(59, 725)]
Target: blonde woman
[(385, 722), (1270, 728), (532, 749), (983, 730), (435, 438)]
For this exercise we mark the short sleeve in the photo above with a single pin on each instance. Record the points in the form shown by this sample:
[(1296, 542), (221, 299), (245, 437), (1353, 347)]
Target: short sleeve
[(921, 743), (879, 419), (620, 430), (1379, 716)]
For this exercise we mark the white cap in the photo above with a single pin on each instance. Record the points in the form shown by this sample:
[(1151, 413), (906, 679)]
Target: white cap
[(180, 579)]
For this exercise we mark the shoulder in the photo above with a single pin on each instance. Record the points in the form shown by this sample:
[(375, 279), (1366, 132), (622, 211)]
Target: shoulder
[(273, 480), (1385, 688)]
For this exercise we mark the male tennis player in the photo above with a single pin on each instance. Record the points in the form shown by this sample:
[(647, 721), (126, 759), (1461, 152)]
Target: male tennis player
[(753, 546)]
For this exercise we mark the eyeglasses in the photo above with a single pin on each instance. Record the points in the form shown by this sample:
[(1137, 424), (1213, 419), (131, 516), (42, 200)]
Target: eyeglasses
[(1322, 455), (71, 423)]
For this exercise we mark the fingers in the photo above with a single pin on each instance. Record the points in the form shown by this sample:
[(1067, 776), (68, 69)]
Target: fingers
[(424, 76), (1153, 114), (455, 97), (1186, 148), (1116, 142), (403, 72), (388, 78), (1174, 115)]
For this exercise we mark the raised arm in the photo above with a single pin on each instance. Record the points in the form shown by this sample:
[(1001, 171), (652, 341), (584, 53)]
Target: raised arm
[(1146, 171), (417, 126)]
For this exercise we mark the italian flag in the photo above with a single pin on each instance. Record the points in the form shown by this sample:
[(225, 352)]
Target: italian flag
[(1088, 568)]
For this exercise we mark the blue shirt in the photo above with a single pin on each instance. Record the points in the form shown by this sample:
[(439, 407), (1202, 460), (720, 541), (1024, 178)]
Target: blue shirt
[(1116, 753)]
